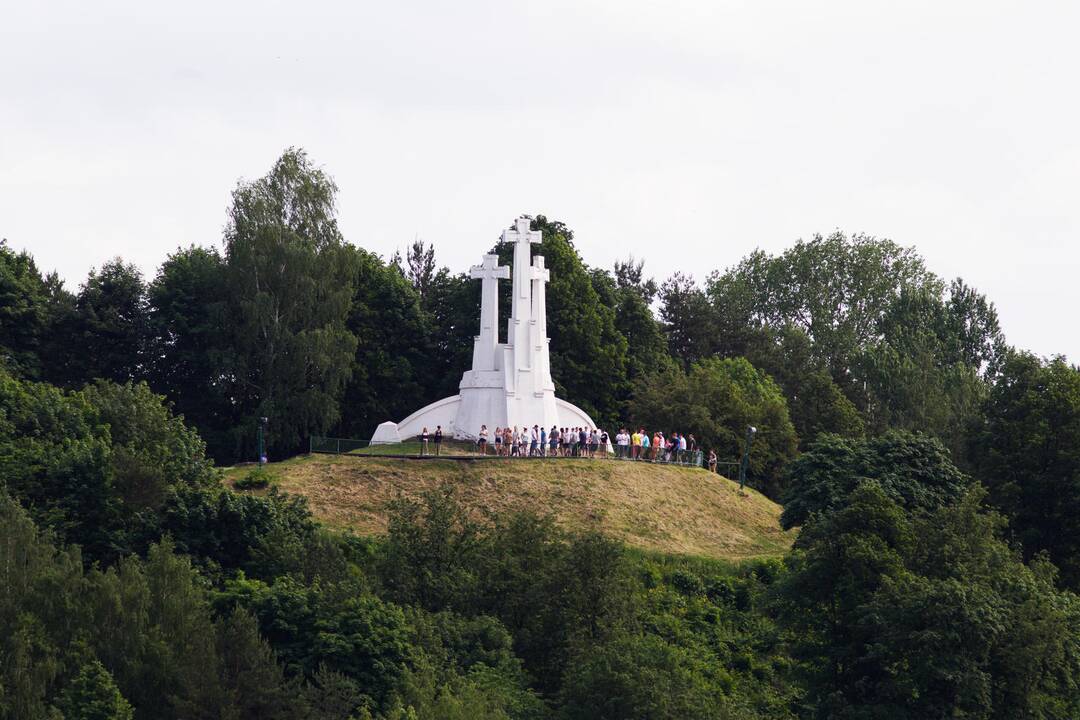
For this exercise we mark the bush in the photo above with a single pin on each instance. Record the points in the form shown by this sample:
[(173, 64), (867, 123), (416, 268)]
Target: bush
[(254, 480)]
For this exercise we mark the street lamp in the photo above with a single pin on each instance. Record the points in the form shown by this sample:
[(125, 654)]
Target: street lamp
[(262, 452), (750, 432)]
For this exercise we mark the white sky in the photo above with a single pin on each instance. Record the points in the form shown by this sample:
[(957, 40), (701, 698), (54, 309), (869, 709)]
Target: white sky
[(684, 133)]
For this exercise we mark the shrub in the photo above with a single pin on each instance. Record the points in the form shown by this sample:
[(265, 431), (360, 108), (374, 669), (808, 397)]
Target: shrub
[(254, 480)]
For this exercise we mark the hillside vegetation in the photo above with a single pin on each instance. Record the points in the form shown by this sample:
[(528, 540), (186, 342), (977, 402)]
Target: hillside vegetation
[(932, 470), (654, 507)]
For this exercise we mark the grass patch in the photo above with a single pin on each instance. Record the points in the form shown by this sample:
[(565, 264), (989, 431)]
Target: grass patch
[(655, 508)]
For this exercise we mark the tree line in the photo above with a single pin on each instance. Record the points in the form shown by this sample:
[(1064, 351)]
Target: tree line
[(932, 473), (288, 321), (847, 335)]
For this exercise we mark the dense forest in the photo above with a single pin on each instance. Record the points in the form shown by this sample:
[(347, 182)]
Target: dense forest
[(932, 471)]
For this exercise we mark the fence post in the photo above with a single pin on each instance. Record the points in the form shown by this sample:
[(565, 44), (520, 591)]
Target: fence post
[(338, 446)]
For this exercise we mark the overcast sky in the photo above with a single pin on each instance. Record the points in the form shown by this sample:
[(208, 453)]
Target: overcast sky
[(684, 133)]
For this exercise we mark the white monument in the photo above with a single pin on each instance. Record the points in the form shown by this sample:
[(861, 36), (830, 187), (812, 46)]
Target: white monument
[(509, 384)]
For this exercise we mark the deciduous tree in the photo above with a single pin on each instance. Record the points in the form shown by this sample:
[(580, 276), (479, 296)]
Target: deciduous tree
[(290, 284)]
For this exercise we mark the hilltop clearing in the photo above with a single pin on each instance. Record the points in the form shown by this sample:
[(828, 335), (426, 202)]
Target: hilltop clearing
[(654, 507)]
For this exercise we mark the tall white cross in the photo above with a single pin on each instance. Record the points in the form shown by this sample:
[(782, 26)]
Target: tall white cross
[(539, 275), (489, 274), (523, 238)]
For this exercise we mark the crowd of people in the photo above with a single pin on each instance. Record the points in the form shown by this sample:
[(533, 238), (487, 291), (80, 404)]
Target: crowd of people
[(539, 441)]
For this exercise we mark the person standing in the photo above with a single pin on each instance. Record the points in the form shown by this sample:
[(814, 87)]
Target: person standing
[(483, 439), (644, 452), (498, 441), (438, 438), (553, 441), (712, 461), (543, 442), (423, 442), (682, 448)]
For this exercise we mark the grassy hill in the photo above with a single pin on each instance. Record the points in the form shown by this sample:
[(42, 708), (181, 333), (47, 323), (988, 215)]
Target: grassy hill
[(654, 507)]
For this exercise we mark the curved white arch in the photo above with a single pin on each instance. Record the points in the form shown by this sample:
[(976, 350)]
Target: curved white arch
[(441, 412), (571, 415)]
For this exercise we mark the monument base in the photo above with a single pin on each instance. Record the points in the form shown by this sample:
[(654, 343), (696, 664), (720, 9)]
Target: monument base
[(445, 413)]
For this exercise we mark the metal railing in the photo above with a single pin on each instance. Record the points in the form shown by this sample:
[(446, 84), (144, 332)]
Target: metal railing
[(336, 446), (459, 450)]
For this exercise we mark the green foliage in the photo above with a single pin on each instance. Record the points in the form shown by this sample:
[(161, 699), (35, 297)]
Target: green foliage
[(55, 457), (36, 583), (93, 695), (360, 637), (815, 402), (237, 531), (96, 466), (256, 479), (430, 552), (912, 470), (643, 677), (551, 590), (85, 641), (688, 319), (391, 368), (927, 370), (187, 301), (253, 680), (834, 288), (907, 350), (112, 325), (152, 449), (290, 282), (1028, 454), (453, 306), (716, 401), (932, 615), (632, 298), (23, 318)]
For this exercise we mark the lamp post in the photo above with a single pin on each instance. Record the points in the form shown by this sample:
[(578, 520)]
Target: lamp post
[(750, 431), (262, 452)]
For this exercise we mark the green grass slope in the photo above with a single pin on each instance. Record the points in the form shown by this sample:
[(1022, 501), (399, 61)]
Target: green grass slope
[(653, 507)]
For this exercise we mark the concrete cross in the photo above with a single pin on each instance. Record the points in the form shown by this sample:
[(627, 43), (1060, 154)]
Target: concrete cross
[(523, 238), (517, 330), (489, 274), (539, 275)]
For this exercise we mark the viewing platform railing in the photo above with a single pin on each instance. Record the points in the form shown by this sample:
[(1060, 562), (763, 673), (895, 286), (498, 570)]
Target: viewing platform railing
[(465, 450)]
